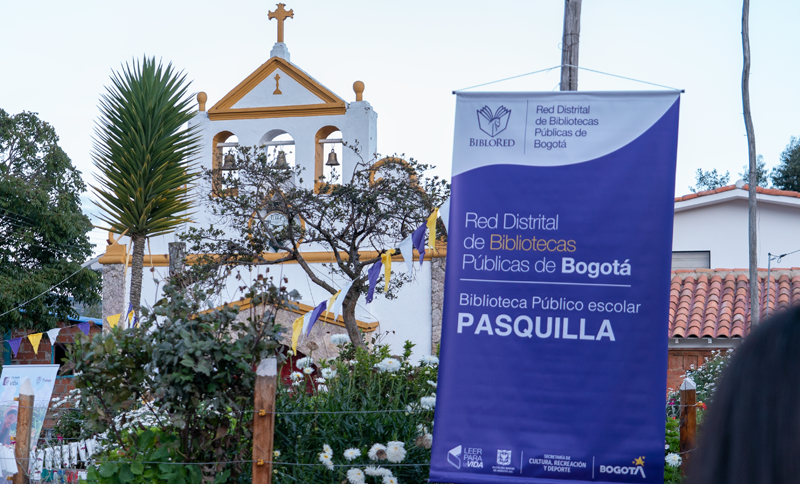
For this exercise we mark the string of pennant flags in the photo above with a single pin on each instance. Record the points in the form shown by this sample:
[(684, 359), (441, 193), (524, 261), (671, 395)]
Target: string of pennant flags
[(333, 305), (36, 338), (303, 324)]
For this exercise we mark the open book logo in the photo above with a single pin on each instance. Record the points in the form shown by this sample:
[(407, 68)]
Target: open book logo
[(493, 124)]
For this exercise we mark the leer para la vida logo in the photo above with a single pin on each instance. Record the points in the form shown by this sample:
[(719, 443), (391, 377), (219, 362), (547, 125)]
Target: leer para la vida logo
[(492, 123)]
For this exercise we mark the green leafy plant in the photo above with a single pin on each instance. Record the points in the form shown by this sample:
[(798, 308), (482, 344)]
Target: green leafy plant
[(365, 410), (672, 473), (185, 371), (146, 456)]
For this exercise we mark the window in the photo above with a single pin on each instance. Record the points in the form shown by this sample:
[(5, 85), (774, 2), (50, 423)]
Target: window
[(699, 259), (60, 355)]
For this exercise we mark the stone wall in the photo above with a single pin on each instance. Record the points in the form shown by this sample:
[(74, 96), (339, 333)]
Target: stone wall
[(113, 291), (437, 301)]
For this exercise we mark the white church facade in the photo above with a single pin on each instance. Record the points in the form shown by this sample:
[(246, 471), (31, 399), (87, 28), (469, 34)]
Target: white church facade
[(281, 107)]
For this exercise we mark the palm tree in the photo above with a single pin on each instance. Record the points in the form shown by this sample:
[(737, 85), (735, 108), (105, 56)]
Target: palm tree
[(144, 157)]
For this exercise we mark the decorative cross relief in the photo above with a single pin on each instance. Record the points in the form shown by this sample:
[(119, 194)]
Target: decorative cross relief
[(277, 84), (281, 14)]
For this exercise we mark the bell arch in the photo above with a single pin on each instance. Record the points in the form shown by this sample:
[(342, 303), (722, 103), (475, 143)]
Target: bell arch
[(217, 155), (322, 152), (276, 140)]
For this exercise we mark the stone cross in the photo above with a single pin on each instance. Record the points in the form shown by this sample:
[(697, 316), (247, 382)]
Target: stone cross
[(281, 14)]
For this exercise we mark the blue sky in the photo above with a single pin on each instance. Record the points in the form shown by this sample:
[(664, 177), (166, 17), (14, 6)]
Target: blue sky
[(57, 58)]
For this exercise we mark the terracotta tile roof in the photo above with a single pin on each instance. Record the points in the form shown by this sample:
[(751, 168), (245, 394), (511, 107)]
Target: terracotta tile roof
[(763, 191), (714, 303)]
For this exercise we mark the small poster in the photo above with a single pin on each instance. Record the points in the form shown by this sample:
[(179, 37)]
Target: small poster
[(43, 378)]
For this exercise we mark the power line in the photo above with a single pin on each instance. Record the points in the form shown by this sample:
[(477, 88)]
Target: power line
[(42, 294)]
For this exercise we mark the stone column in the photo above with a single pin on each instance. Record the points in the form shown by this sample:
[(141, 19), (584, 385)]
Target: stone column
[(113, 291), (437, 300)]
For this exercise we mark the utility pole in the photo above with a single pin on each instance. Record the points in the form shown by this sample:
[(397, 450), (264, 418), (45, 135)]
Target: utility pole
[(753, 181), (569, 45)]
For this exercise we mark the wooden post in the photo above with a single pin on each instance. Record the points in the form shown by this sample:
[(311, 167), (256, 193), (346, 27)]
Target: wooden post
[(569, 45), (22, 447), (752, 209), (688, 421), (264, 420)]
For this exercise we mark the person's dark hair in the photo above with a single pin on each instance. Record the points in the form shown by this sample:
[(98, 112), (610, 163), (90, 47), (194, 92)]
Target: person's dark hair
[(751, 433)]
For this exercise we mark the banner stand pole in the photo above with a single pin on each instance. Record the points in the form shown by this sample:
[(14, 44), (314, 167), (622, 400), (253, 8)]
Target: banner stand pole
[(22, 447)]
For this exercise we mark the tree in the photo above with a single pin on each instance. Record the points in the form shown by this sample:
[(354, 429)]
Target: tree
[(761, 173), (709, 180), (144, 157), (374, 210), (179, 387), (786, 175), (43, 233)]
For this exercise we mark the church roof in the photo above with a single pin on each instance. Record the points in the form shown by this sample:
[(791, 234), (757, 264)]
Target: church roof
[(277, 89)]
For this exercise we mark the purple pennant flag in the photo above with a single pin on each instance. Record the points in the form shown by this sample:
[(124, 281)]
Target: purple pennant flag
[(418, 237), (374, 274), (315, 314), (84, 327), (14, 344)]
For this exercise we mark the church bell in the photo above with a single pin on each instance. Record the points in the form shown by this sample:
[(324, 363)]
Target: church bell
[(281, 161), (230, 163), (332, 160)]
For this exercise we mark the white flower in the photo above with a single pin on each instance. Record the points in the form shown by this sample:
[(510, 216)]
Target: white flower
[(377, 471), (296, 384), (395, 452), (296, 375), (389, 364), (432, 383), (320, 380), (308, 370), (277, 453), (290, 352), (304, 362), (673, 460), (429, 360), (351, 454), (322, 388), (355, 476), (428, 403), (390, 480), (354, 362), (326, 456), (327, 449), (373, 451), (328, 373), (340, 339)]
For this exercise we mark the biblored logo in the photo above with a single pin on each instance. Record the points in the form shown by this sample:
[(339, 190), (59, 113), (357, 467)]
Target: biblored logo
[(493, 124)]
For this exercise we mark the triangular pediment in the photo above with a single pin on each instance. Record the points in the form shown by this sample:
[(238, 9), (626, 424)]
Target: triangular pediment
[(277, 89)]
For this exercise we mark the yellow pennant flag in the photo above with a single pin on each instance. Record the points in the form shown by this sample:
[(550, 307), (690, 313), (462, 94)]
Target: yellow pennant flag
[(35, 339), (331, 302), (386, 260), (113, 320), (297, 328), (432, 228)]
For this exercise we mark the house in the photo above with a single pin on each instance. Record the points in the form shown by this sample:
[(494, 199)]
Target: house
[(710, 291)]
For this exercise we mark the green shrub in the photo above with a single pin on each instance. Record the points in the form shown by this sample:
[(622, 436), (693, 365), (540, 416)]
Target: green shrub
[(391, 401)]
